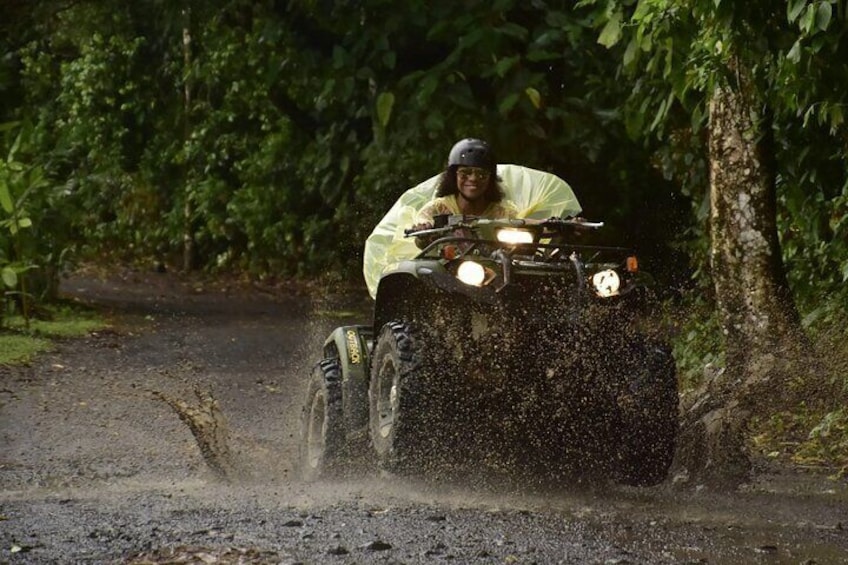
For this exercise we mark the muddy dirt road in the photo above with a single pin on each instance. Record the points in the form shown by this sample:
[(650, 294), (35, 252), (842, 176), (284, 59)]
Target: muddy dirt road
[(95, 468)]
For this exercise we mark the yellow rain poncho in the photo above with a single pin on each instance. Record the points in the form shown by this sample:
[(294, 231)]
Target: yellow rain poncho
[(536, 194)]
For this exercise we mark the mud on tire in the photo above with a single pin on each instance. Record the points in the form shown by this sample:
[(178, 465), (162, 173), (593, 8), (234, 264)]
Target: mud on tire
[(322, 437), (402, 406)]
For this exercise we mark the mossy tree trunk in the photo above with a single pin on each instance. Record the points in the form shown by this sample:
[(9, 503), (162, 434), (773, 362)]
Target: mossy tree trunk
[(758, 314), (758, 317)]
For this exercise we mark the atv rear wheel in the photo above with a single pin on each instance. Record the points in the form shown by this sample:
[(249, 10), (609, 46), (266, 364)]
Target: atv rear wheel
[(399, 393), (322, 425)]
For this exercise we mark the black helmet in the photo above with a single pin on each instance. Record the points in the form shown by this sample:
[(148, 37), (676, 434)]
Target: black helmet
[(472, 152)]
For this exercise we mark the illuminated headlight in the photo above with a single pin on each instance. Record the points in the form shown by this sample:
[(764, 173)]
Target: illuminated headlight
[(514, 237), (471, 273), (606, 283)]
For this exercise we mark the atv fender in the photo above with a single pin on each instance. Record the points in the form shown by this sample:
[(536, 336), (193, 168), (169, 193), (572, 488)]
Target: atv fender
[(352, 346), (412, 296), (397, 298)]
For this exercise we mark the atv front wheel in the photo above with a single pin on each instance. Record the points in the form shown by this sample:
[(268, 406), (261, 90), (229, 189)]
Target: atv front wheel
[(322, 426), (399, 393)]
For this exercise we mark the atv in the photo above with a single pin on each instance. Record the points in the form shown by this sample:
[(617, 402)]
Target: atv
[(516, 340)]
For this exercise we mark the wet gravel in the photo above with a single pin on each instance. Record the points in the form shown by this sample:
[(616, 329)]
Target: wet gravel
[(95, 469)]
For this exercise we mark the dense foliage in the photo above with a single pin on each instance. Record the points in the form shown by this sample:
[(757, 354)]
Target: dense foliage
[(270, 136), (261, 131)]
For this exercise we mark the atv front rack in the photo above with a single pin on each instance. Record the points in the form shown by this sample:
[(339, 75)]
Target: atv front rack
[(545, 249)]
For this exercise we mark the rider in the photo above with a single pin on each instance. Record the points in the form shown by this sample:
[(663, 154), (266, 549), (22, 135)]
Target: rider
[(468, 186)]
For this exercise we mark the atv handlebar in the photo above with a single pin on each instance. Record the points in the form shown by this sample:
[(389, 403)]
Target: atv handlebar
[(460, 221)]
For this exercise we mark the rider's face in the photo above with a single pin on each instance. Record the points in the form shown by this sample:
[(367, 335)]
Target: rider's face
[(472, 182)]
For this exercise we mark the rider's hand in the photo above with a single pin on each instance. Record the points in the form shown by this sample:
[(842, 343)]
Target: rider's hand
[(422, 241), (422, 226)]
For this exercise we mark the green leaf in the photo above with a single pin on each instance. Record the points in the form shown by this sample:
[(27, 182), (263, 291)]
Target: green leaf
[(340, 57), (824, 13), (697, 119), (508, 103), (24, 223), (630, 52), (385, 103), (6, 198), (8, 126), (505, 64), (808, 20), (427, 87), (794, 54), (611, 33), (472, 38), (536, 55), (794, 8), (15, 146), (837, 118), (389, 59), (10, 277), (513, 30), (634, 120), (534, 96), (643, 10), (662, 111)]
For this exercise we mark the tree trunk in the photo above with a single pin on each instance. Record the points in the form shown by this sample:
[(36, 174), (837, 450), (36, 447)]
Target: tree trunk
[(756, 308), (761, 326)]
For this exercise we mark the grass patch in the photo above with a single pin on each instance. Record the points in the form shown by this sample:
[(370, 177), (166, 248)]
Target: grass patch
[(17, 349), (66, 325), (20, 343)]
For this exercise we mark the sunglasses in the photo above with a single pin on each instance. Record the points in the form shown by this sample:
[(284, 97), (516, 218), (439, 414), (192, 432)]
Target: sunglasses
[(468, 172)]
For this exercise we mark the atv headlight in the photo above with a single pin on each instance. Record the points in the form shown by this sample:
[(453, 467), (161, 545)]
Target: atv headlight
[(471, 273), (514, 237), (606, 283)]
